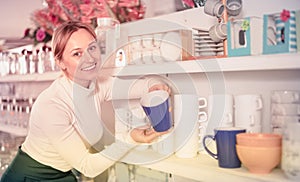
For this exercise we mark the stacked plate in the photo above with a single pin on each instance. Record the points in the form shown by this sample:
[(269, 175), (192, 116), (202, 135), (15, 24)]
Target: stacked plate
[(205, 46)]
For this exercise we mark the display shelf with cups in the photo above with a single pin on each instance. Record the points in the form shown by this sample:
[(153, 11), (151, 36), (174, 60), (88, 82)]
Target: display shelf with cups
[(15, 114)]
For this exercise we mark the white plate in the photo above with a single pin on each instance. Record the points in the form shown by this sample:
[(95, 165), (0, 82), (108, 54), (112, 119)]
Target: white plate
[(171, 46), (209, 49), (202, 41), (201, 34), (199, 46)]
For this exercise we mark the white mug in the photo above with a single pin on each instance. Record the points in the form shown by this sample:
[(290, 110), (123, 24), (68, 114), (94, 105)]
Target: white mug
[(165, 144), (234, 7), (214, 8), (248, 112), (218, 32), (187, 114), (220, 109), (248, 102)]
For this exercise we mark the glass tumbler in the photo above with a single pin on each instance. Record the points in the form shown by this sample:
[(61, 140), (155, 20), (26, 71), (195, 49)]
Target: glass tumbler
[(108, 33)]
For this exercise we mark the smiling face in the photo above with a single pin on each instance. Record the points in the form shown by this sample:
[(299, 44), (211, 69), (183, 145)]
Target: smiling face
[(81, 58), (76, 52)]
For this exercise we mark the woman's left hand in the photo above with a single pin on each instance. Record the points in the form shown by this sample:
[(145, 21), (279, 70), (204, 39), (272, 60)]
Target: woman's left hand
[(145, 135)]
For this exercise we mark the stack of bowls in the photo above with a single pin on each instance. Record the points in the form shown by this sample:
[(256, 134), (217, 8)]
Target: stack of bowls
[(259, 152), (285, 108)]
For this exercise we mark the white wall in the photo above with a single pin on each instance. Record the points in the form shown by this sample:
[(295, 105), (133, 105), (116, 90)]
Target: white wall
[(15, 16)]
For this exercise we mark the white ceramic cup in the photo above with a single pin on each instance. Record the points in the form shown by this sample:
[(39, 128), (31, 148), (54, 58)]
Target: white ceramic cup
[(248, 111), (187, 114), (220, 108), (165, 144), (251, 102), (214, 8), (218, 32), (234, 7)]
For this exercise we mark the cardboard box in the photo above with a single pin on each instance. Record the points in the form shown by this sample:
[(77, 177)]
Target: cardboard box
[(279, 36), (244, 36), (298, 29)]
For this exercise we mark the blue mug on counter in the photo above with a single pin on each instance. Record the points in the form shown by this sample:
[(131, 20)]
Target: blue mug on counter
[(156, 106), (225, 138)]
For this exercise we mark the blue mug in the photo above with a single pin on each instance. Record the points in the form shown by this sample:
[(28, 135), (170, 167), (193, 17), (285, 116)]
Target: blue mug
[(225, 138), (156, 106)]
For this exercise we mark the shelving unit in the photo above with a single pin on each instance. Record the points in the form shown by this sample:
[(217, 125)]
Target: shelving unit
[(48, 76), (229, 64), (204, 168), (14, 130), (245, 63)]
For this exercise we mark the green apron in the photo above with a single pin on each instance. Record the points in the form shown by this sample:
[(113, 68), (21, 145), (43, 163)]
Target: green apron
[(25, 169)]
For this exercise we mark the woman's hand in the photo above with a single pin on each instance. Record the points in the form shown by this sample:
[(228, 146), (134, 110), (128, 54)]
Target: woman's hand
[(145, 135), (160, 87)]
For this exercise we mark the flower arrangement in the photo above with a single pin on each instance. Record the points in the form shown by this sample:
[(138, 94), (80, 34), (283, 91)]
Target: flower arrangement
[(56, 12), (285, 15)]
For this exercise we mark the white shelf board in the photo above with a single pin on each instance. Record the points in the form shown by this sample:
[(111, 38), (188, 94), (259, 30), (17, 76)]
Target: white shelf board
[(205, 168), (243, 63), (48, 76), (18, 131)]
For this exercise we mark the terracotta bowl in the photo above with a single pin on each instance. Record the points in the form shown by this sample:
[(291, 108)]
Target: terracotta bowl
[(260, 160), (259, 139)]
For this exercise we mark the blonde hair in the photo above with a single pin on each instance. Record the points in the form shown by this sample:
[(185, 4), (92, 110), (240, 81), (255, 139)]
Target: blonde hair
[(63, 33)]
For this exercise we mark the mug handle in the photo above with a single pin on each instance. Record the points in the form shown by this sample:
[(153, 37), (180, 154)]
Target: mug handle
[(202, 116), (215, 156), (259, 104), (202, 100), (230, 117)]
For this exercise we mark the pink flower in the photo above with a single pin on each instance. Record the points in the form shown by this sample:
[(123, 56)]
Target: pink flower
[(40, 35), (189, 3), (285, 15)]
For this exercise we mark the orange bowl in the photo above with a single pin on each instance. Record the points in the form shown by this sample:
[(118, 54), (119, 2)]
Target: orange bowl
[(259, 139), (260, 160)]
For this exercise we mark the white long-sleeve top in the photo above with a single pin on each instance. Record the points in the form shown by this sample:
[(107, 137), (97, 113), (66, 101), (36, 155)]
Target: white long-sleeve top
[(59, 119)]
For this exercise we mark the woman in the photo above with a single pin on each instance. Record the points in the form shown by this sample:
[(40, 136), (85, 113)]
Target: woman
[(65, 119)]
